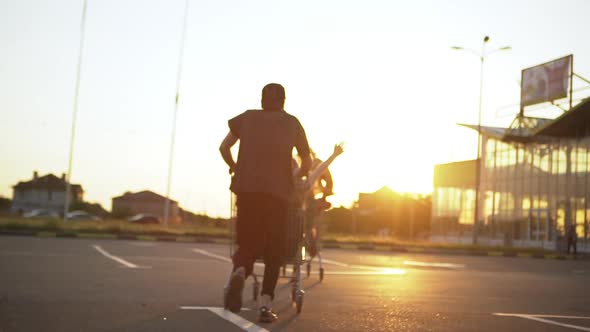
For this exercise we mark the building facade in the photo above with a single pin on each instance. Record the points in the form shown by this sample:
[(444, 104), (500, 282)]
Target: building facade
[(387, 212), (147, 202), (533, 182), (46, 192)]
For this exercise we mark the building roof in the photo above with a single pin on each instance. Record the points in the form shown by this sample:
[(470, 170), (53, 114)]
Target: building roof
[(523, 128), (47, 182), (573, 123), (145, 196), (384, 193), (495, 132)]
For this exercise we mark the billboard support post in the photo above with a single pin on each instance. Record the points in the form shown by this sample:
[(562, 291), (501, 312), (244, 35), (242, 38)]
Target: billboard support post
[(580, 77), (571, 81)]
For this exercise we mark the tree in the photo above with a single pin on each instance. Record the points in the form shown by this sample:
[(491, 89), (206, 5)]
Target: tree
[(5, 204)]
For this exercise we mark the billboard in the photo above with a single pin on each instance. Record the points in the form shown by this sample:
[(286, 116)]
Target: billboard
[(546, 82)]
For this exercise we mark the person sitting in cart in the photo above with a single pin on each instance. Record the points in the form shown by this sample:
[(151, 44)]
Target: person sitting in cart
[(305, 203), (305, 187), (315, 206), (263, 184)]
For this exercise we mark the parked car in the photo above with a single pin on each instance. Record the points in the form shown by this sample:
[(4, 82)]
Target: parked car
[(144, 218), (41, 213), (82, 215)]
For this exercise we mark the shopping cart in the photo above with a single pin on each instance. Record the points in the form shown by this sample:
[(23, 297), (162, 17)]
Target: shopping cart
[(311, 249), (313, 245), (294, 252)]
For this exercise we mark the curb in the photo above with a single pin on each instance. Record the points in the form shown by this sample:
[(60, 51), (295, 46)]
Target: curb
[(103, 236), (327, 245)]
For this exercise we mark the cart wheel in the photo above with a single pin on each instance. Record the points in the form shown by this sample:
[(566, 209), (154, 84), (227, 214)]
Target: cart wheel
[(308, 269), (321, 273), (299, 301), (255, 290)]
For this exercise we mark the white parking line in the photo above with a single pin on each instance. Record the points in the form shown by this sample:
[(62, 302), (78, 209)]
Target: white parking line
[(407, 263), (329, 261), (188, 307), (117, 259), (560, 316), (212, 255), (541, 318), (240, 322), (164, 259), (373, 270), (223, 258), (381, 272), (438, 265)]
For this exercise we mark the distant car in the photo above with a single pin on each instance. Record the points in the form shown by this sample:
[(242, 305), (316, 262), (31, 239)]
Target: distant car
[(41, 213), (82, 215), (144, 218)]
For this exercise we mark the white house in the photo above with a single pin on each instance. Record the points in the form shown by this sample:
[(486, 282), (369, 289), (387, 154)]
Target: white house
[(45, 192), (145, 202)]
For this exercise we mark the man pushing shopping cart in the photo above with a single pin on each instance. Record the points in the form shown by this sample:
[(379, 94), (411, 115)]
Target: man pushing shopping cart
[(263, 184), (266, 185)]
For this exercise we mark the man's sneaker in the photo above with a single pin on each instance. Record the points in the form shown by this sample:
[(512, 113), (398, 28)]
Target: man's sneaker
[(266, 315), (233, 295)]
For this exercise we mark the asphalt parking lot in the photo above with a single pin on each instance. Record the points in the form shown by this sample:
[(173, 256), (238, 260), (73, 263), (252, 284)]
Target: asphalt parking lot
[(52, 284)]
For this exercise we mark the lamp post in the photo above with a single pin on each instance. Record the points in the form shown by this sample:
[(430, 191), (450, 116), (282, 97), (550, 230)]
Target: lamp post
[(481, 57), (68, 178), (177, 96)]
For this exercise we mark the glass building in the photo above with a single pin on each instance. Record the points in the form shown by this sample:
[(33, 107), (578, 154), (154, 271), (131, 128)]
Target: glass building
[(533, 181)]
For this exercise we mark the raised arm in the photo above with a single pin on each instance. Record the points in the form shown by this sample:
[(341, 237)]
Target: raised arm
[(225, 150), (313, 176)]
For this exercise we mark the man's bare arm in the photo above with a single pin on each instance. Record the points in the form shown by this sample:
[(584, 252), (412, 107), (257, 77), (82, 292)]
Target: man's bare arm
[(225, 149)]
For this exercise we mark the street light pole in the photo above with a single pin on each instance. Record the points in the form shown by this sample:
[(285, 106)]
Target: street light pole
[(75, 112), (177, 96), (481, 57), (478, 160)]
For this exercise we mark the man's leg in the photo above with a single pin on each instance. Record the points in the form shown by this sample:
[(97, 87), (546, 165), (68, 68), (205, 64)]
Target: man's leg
[(248, 225), (276, 226), (249, 245), (272, 269)]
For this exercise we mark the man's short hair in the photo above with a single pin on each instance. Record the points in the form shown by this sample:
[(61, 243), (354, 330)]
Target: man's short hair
[(273, 96)]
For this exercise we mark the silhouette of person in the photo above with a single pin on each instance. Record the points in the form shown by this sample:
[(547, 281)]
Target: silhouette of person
[(263, 183), (572, 238), (316, 205)]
